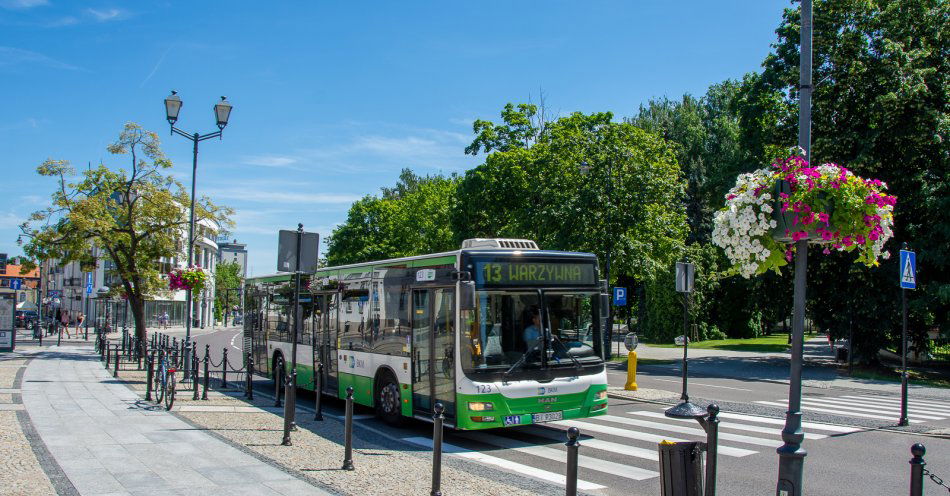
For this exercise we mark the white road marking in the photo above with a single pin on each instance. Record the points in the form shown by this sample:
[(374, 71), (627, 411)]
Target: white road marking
[(910, 402), (890, 406), (778, 421), (728, 436), (537, 473), (612, 468), (621, 449), (642, 436), (232, 341), (831, 410), (860, 408), (730, 425), (706, 385), (865, 407)]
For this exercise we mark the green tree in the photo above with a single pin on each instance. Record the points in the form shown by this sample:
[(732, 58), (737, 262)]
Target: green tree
[(227, 279), (409, 219), (136, 217), (881, 108)]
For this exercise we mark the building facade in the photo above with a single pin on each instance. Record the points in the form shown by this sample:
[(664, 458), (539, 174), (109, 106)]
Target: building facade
[(233, 252)]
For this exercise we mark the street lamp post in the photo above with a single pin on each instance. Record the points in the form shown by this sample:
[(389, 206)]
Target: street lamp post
[(222, 111), (791, 454)]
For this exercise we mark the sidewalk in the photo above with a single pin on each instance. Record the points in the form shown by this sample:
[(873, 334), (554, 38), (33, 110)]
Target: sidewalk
[(106, 440)]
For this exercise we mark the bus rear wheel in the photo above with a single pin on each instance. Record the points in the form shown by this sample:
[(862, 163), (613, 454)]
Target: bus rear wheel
[(388, 400)]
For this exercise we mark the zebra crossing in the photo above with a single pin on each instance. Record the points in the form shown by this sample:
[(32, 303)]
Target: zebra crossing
[(617, 447), (871, 407)]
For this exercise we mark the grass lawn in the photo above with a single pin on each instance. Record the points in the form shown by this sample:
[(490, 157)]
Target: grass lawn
[(773, 343), (892, 374)]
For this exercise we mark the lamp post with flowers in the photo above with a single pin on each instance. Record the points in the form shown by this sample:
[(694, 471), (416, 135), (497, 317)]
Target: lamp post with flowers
[(222, 111)]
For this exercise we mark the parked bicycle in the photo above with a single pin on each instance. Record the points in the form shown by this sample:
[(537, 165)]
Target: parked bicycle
[(165, 380)]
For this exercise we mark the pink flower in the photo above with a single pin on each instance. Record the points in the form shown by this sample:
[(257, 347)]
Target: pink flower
[(799, 235), (826, 251), (860, 239), (783, 195), (823, 217), (847, 241), (729, 197), (788, 255), (873, 236), (826, 235), (808, 219)]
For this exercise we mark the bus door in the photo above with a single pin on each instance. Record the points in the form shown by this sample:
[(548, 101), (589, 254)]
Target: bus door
[(330, 339), (433, 349)]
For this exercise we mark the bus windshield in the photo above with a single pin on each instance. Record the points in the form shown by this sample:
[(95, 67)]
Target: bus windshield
[(508, 328)]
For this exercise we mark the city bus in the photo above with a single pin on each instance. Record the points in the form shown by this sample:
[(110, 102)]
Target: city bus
[(500, 332)]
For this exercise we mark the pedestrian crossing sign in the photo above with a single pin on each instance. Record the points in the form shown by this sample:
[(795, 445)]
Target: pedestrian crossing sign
[(908, 272)]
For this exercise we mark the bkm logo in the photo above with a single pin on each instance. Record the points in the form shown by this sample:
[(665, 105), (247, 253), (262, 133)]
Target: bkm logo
[(547, 390)]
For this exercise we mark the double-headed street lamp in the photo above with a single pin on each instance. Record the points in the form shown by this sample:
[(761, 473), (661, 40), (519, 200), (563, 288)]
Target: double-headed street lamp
[(222, 111)]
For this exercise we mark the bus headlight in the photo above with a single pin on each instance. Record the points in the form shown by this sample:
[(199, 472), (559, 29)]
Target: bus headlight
[(600, 395), (480, 406)]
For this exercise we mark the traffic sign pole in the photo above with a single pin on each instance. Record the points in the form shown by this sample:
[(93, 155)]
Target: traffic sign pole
[(908, 280)]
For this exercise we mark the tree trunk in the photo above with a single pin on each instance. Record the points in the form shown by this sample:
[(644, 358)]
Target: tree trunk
[(138, 314)]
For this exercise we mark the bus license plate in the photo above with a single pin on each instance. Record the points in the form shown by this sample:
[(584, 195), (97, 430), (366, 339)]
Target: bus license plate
[(537, 418)]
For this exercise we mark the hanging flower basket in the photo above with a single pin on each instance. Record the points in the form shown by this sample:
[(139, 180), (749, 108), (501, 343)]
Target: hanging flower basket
[(193, 278), (768, 210)]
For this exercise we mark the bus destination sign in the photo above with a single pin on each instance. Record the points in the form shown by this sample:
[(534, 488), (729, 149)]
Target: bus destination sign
[(535, 274)]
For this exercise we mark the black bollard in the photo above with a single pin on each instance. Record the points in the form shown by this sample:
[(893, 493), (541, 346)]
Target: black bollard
[(140, 352), (204, 392), (59, 333), (437, 418), (318, 393), (224, 369), (194, 376), (86, 333), (572, 445), (348, 431), (278, 385), (117, 358), (917, 465), (108, 355), (288, 405), (711, 426), (250, 377), (293, 399), (148, 376)]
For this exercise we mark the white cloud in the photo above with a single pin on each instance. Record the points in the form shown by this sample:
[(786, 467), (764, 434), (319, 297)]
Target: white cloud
[(282, 197), (10, 220), (23, 4), (106, 15), (11, 57), (269, 160)]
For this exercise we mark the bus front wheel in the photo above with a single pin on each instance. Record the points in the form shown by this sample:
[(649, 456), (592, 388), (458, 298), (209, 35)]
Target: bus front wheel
[(388, 402)]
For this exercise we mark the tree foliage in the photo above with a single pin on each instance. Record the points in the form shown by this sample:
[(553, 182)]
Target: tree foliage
[(227, 276), (135, 217)]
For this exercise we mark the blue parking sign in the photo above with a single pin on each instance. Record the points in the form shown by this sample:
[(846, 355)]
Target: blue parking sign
[(620, 297), (908, 270)]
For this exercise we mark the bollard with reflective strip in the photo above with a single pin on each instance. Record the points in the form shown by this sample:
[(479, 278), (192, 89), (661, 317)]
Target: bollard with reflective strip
[(224, 369), (194, 374), (116, 372), (711, 426), (572, 447), (149, 373), (348, 431), (287, 413), (204, 391), (437, 418), (105, 350)]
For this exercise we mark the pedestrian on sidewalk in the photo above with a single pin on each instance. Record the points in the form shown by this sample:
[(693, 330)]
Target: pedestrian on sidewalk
[(165, 320), (79, 320), (64, 316)]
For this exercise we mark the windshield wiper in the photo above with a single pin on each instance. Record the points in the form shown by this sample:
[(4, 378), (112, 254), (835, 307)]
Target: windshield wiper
[(520, 361), (567, 351)]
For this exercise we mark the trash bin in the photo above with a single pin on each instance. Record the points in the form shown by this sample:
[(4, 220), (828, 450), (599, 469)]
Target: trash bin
[(842, 354), (681, 468)]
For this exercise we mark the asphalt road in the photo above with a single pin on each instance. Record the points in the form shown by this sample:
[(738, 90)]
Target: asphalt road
[(618, 451)]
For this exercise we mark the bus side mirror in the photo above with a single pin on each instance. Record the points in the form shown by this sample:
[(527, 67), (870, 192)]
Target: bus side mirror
[(467, 295)]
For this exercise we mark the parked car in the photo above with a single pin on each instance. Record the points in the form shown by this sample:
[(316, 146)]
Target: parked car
[(25, 318)]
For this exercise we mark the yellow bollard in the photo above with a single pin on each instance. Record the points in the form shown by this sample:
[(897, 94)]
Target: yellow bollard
[(631, 384)]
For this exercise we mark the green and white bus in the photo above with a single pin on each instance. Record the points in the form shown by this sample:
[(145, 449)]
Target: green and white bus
[(500, 332)]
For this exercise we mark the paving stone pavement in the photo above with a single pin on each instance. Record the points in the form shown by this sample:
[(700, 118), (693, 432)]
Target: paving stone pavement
[(108, 441)]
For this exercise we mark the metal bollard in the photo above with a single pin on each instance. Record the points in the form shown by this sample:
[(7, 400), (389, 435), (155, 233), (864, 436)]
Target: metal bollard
[(250, 377), (293, 399), (288, 405), (318, 393), (572, 446), (917, 464), (108, 355), (437, 418), (204, 392), (348, 431), (194, 376), (711, 426), (117, 358), (224, 369), (279, 385), (139, 352), (86, 333), (149, 372)]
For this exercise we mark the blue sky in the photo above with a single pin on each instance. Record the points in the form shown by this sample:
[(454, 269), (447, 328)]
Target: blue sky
[(332, 99)]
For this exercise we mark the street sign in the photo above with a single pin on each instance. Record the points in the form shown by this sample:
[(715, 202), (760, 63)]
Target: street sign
[(7, 324), (88, 278), (89, 288), (53, 293), (630, 341), (287, 251), (680, 340), (685, 276), (15, 283), (620, 297), (908, 271)]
